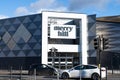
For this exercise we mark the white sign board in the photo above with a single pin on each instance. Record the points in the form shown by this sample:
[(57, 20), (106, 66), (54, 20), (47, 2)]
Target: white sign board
[(63, 31)]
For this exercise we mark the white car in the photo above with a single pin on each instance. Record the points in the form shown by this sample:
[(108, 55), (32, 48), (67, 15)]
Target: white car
[(84, 71)]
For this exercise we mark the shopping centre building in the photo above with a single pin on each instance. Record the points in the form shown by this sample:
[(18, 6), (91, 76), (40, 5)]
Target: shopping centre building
[(109, 27), (55, 38)]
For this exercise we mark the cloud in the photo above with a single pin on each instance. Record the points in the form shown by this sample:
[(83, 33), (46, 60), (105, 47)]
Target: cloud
[(3, 16), (41, 5), (55, 9), (82, 4), (117, 2), (50, 5), (21, 10)]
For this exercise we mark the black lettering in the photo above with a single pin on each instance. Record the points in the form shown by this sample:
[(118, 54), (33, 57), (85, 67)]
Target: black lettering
[(62, 33)]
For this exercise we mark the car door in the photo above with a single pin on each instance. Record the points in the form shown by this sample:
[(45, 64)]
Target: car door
[(75, 72), (87, 71), (39, 70), (44, 70)]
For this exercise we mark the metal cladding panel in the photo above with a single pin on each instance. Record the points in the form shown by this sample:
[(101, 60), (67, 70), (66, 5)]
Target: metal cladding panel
[(91, 35), (111, 31), (21, 36), (111, 55)]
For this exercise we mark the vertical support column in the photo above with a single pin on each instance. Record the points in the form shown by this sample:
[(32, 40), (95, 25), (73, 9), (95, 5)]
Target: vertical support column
[(84, 39), (44, 54)]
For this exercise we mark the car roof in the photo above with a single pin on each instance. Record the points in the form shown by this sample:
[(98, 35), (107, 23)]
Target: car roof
[(87, 65), (37, 64)]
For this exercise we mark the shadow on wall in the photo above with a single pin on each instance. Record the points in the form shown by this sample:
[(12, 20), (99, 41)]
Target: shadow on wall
[(110, 60)]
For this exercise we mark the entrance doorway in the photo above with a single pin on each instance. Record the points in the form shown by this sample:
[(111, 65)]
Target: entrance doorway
[(62, 60)]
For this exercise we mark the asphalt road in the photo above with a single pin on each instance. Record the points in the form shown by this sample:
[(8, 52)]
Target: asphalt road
[(5, 75), (27, 77)]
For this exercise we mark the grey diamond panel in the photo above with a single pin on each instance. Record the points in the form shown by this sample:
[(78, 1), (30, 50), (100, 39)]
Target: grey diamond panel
[(6, 37), (23, 33), (21, 36), (91, 35), (11, 44)]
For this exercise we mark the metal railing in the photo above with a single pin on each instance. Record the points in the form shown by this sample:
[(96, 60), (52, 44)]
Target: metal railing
[(21, 74)]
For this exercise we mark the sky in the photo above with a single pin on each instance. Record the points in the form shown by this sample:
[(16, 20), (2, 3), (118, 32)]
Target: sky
[(13, 8)]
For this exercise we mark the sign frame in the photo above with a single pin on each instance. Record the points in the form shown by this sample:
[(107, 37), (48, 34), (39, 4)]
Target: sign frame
[(63, 31)]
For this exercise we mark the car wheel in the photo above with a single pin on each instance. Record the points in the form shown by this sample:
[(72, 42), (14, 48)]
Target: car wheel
[(95, 76), (65, 76)]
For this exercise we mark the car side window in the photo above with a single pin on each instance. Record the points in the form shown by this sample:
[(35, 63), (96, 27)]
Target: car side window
[(79, 67), (41, 66), (89, 67)]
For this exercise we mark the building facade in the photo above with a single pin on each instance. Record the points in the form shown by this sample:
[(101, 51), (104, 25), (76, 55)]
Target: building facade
[(20, 41), (109, 27), (59, 39)]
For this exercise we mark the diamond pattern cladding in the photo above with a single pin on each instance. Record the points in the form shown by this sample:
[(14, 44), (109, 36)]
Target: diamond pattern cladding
[(91, 35), (21, 36)]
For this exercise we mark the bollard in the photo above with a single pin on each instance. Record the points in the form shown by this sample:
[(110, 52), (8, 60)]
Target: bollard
[(112, 70), (21, 73), (11, 73), (106, 72), (34, 74), (119, 69)]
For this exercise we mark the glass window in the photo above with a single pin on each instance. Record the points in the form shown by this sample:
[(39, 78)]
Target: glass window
[(44, 66), (62, 60), (89, 67), (49, 59), (69, 60), (79, 67), (57, 60)]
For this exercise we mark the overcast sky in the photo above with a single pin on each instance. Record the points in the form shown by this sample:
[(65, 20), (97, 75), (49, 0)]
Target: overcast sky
[(13, 8)]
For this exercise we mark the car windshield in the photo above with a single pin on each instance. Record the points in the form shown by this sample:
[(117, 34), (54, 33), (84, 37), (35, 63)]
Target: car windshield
[(44, 66)]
